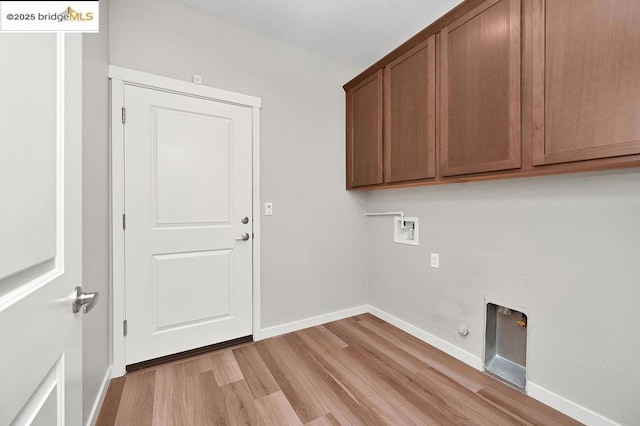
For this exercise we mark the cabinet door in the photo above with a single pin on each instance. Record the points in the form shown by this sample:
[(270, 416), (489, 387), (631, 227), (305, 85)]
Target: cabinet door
[(409, 117), (480, 90), (586, 79), (364, 133)]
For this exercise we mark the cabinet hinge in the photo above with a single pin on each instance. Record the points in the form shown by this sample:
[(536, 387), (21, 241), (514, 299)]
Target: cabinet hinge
[(124, 328), (124, 115), (124, 221)]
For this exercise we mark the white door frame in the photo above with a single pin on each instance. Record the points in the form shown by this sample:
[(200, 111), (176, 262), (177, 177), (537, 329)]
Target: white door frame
[(119, 78)]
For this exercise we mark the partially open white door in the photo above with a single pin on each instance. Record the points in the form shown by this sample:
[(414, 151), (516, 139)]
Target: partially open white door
[(188, 237), (40, 229)]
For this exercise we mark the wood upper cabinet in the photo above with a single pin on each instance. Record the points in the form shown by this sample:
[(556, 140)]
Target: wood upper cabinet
[(586, 79), (480, 90), (364, 133), (497, 89), (409, 115)]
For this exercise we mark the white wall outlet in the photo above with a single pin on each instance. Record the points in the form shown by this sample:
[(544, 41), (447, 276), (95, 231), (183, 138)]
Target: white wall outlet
[(268, 208), (197, 79), (435, 260)]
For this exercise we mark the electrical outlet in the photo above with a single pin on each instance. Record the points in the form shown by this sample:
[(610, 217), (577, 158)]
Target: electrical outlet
[(435, 260)]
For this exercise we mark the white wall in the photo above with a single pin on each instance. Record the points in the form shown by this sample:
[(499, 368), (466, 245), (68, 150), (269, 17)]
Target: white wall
[(313, 246), (567, 248), (95, 208)]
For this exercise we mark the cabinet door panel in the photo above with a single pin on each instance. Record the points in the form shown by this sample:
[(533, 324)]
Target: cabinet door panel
[(364, 133), (480, 90), (586, 87), (409, 104)]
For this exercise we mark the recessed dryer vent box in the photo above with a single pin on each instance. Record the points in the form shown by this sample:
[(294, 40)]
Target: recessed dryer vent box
[(405, 230), (505, 354)]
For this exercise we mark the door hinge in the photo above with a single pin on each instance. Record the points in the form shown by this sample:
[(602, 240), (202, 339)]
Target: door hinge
[(124, 115), (124, 328), (124, 221)]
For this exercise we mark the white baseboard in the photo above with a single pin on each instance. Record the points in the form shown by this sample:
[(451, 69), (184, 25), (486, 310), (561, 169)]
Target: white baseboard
[(434, 341), (570, 408), (539, 393), (311, 322), (97, 405)]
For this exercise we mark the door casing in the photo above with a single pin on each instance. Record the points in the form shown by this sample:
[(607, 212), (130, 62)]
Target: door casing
[(119, 78)]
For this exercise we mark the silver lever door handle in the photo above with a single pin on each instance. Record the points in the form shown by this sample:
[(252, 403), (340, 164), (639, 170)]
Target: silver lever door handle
[(86, 301), (243, 237)]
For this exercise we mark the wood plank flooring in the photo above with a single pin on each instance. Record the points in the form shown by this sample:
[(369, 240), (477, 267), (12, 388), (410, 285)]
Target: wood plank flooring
[(357, 371)]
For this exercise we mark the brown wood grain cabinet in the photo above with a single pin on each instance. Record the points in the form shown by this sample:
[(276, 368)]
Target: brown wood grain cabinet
[(497, 89), (401, 100), (364, 133), (409, 115), (480, 90), (586, 79)]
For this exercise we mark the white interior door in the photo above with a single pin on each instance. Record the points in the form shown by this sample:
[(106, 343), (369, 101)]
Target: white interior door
[(187, 190), (40, 229)]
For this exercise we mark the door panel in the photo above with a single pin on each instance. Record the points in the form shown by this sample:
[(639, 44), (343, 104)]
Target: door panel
[(45, 405), (480, 90), (40, 229), (409, 142), (586, 95), (48, 407), (364, 133), (187, 187), (191, 168), (178, 277), (28, 94)]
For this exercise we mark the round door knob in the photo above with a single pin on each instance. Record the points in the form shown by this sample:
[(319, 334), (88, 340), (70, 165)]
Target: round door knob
[(84, 301)]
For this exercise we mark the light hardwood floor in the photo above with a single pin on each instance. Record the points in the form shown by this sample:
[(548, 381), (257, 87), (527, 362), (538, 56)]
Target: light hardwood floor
[(357, 371)]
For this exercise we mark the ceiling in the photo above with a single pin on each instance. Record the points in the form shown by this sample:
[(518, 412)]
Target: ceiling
[(355, 31)]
